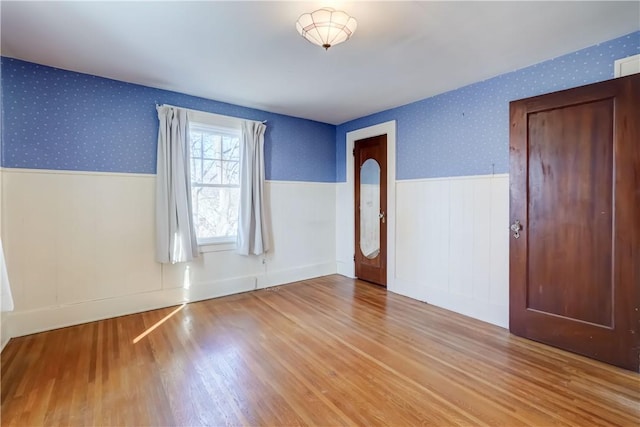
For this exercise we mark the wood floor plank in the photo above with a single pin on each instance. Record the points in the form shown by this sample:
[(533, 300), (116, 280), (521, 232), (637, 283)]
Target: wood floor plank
[(328, 351)]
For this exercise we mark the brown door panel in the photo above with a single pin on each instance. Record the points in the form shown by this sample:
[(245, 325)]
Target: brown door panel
[(575, 188), (371, 266)]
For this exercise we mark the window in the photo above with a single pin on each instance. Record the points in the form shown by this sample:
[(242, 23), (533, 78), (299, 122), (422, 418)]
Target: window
[(215, 182)]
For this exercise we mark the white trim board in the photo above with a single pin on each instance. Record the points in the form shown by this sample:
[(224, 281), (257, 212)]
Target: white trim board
[(73, 172), (134, 174), (455, 178), (277, 182), (626, 66)]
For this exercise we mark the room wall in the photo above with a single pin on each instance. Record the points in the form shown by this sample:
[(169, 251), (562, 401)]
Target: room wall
[(77, 194), (452, 194), (78, 201)]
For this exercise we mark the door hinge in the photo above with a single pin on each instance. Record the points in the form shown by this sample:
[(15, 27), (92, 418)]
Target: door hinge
[(354, 257), (354, 152)]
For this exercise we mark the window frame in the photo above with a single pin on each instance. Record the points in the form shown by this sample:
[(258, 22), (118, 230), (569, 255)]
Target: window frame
[(225, 126)]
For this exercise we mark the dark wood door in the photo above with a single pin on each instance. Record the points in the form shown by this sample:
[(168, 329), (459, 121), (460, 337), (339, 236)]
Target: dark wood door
[(575, 190), (371, 209)]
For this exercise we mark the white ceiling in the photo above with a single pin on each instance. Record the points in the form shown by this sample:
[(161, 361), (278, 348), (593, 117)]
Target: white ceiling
[(249, 53)]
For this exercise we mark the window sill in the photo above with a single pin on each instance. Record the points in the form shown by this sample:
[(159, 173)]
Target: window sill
[(204, 248)]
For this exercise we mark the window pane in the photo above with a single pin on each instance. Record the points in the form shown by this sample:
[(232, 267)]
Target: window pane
[(230, 148), (196, 143), (211, 173), (231, 173), (215, 211), (211, 146), (207, 146), (196, 170)]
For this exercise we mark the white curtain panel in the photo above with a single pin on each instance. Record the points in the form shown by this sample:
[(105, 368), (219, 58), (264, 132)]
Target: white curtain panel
[(253, 235), (175, 234)]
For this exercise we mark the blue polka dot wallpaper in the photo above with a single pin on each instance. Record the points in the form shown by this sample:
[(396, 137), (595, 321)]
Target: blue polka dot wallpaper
[(61, 120), (466, 131)]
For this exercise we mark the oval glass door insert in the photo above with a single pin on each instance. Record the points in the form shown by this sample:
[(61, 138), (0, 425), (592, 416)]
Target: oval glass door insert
[(370, 208)]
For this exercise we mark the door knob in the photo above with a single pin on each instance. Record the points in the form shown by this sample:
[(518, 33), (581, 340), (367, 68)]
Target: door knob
[(381, 216), (515, 228)]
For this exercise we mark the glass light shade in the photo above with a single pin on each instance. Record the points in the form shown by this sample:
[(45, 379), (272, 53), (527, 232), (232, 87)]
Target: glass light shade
[(326, 27)]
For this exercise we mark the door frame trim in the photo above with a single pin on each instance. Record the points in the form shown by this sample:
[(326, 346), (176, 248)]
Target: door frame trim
[(345, 234)]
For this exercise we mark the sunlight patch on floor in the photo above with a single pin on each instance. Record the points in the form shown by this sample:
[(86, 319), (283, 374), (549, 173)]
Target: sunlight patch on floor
[(158, 323)]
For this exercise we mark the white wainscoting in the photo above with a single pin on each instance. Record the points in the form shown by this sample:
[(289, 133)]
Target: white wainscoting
[(4, 331), (80, 247), (452, 244)]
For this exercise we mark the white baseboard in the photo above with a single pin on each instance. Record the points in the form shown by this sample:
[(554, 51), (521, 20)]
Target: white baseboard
[(4, 331), (20, 323), (482, 310), (279, 277), (346, 268)]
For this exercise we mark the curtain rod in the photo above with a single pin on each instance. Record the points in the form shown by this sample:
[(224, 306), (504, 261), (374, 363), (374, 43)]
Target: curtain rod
[(206, 112)]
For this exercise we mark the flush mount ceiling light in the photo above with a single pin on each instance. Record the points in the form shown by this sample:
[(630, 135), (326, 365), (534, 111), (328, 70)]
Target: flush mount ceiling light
[(326, 27)]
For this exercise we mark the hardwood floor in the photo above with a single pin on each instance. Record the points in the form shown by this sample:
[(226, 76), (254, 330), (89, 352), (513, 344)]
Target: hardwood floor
[(328, 351)]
